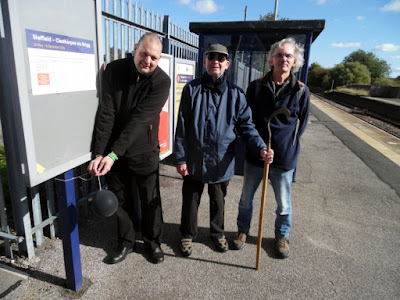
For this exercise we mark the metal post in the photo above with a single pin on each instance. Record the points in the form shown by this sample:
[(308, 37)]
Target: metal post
[(166, 30), (276, 10), (37, 214), (307, 47), (69, 230), (51, 210)]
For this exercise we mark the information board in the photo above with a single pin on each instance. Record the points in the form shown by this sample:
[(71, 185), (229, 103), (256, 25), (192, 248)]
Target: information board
[(185, 71), (56, 54)]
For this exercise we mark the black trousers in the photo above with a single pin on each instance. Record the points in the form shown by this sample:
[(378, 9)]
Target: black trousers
[(191, 194), (122, 180)]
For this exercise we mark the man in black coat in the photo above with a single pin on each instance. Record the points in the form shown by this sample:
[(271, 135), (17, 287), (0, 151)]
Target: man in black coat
[(126, 146)]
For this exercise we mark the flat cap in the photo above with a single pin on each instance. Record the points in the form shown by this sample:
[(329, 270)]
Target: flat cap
[(217, 48)]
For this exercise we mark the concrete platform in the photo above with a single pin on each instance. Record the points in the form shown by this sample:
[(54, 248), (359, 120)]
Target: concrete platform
[(344, 241)]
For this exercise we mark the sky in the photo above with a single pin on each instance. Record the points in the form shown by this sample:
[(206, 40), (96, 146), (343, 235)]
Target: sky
[(350, 25)]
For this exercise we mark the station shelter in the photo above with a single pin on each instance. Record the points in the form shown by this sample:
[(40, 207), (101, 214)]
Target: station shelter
[(248, 43)]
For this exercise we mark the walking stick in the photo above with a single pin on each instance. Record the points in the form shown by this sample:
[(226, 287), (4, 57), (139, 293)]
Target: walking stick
[(286, 112)]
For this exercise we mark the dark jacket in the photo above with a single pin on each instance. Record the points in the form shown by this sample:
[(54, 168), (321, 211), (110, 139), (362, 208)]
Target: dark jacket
[(285, 131), (209, 116), (128, 116)]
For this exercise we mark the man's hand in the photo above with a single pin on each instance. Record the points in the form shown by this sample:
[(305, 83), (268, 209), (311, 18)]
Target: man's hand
[(182, 169), (100, 165), (268, 157)]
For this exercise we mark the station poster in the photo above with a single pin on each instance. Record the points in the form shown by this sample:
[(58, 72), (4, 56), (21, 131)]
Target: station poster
[(59, 63), (184, 73), (165, 134)]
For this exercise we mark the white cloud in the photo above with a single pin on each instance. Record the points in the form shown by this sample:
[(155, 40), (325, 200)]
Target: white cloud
[(360, 18), (345, 45), (396, 57), (205, 6), (387, 48), (393, 5), (319, 2), (184, 2)]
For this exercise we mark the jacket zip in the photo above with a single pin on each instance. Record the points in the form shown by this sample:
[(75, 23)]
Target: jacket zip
[(150, 133)]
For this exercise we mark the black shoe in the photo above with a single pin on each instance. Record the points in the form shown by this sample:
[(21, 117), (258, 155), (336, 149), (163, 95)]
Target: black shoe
[(156, 255), (121, 254)]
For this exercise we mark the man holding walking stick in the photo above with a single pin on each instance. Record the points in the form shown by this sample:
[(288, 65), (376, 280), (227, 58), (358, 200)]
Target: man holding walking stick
[(278, 89), (212, 111)]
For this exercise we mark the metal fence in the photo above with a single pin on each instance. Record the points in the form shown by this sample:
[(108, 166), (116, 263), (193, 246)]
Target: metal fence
[(124, 22), (25, 225)]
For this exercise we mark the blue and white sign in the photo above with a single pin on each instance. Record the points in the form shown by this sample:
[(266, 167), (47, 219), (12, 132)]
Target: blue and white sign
[(59, 63)]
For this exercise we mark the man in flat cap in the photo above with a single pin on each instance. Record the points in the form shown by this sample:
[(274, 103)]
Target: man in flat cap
[(211, 112)]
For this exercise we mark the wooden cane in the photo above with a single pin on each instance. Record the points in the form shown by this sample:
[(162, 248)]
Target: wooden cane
[(286, 112), (262, 207)]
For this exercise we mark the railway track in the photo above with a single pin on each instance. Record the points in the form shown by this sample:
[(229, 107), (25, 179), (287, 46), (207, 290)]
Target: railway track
[(390, 126)]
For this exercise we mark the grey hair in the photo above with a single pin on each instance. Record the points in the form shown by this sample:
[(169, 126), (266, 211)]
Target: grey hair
[(298, 52)]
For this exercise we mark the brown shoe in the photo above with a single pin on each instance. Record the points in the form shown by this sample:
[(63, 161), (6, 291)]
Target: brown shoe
[(239, 240), (221, 244), (282, 246), (186, 247)]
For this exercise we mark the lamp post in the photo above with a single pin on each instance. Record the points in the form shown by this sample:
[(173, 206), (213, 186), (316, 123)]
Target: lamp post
[(276, 10)]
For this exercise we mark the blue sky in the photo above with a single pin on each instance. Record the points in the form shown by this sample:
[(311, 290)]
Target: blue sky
[(370, 25)]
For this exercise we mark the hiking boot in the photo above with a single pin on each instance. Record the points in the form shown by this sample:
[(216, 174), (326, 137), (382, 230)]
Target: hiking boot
[(186, 247), (282, 246), (239, 240), (221, 244)]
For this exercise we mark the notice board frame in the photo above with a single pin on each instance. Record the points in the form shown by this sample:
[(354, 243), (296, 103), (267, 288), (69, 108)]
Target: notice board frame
[(184, 72), (53, 124)]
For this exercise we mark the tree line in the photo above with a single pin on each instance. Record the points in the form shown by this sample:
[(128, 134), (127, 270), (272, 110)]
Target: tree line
[(360, 67)]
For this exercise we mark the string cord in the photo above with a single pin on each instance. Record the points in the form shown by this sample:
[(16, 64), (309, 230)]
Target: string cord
[(98, 177), (77, 177)]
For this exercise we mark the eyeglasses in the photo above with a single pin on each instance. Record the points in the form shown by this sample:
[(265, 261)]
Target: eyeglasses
[(281, 55), (220, 57)]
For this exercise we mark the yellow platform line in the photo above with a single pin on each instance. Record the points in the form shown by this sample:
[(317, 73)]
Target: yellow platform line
[(380, 140)]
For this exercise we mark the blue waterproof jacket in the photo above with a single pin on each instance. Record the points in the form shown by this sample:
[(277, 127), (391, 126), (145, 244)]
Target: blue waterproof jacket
[(285, 131), (209, 117)]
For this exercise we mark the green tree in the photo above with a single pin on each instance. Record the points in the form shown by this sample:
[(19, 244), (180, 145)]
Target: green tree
[(350, 73), (387, 82), (314, 65), (318, 78), (326, 82), (377, 67), (270, 17)]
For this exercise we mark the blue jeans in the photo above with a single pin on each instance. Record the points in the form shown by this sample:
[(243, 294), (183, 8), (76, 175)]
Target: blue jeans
[(281, 182)]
